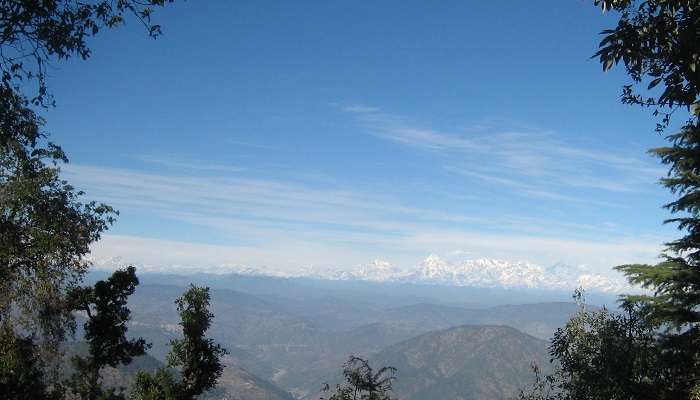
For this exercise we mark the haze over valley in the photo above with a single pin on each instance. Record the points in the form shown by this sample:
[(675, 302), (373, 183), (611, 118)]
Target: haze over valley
[(350, 200), (288, 336)]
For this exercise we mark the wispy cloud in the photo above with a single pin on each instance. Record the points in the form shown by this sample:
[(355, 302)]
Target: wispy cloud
[(183, 163), (531, 161), (358, 108), (268, 202), (294, 253), (298, 218), (285, 224)]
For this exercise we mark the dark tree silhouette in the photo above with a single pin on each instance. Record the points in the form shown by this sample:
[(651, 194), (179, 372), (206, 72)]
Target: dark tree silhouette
[(104, 304), (35, 33), (658, 43), (362, 382), (45, 227), (21, 373)]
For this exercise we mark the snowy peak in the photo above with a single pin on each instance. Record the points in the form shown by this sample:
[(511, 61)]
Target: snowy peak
[(377, 271), (482, 272), (433, 270), (486, 272)]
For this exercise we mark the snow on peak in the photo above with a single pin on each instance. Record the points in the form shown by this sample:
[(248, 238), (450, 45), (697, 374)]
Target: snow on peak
[(434, 270), (485, 272), (377, 271)]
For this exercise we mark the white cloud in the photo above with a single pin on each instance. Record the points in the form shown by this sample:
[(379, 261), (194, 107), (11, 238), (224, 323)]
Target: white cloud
[(157, 255), (358, 108), (289, 224), (599, 255), (286, 225), (180, 163), (529, 160), (290, 253)]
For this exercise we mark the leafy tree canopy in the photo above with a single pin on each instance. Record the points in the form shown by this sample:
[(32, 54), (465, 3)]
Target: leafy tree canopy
[(602, 355), (104, 304), (658, 43), (196, 358), (45, 227), (35, 32)]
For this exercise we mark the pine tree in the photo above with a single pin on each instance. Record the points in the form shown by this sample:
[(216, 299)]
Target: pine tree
[(658, 42)]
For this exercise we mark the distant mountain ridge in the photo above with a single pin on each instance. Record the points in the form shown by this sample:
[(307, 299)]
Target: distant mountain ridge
[(464, 363), (292, 339), (235, 383), (468, 362), (434, 270)]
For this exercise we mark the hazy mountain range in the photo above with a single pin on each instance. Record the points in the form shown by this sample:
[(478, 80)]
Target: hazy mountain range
[(434, 270), (287, 336), (464, 362)]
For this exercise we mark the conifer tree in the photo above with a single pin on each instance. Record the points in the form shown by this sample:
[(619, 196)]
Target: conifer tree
[(603, 355), (658, 43)]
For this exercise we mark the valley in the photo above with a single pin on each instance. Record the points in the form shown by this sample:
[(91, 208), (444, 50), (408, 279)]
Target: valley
[(287, 338)]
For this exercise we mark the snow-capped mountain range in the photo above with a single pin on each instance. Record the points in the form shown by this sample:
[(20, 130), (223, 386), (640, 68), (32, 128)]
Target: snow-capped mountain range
[(481, 272), (434, 270)]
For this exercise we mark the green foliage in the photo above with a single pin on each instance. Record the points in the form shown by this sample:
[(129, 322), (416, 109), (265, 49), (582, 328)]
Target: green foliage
[(32, 33), (603, 355), (21, 374), (362, 383), (45, 230), (196, 357), (105, 332), (658, 42), (158, 386)]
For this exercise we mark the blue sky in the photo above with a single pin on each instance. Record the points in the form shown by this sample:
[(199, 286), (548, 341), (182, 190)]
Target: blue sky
[(331, 133)]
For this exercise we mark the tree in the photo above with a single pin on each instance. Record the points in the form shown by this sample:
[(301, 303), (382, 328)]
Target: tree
[(45, 227), (21, 373), (196, 357), (34, 33), (362, 383), (602, 355), (104, 304), (658, 42), (45, 230)]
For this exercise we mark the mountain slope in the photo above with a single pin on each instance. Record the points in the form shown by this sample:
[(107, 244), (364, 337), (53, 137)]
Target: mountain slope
[(238, 384), (539, 319), (464, 363), (235, 383)]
